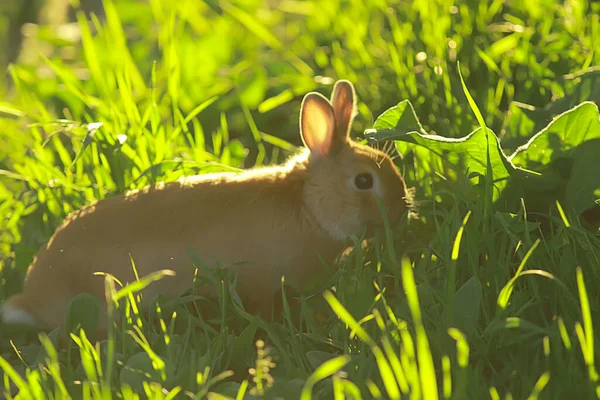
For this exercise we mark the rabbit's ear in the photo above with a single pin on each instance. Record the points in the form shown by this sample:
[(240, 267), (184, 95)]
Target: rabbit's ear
[(317, 124), (343, 100)]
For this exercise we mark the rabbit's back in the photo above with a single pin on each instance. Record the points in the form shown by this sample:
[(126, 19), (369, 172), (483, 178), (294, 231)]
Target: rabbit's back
[(258, 228)]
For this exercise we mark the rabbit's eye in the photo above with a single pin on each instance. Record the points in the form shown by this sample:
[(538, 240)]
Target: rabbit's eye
[(363, 181)]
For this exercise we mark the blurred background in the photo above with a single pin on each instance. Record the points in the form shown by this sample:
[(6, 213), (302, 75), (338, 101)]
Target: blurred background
[(266, 53)]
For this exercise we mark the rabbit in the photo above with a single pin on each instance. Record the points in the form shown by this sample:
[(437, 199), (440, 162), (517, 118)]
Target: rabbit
[(262, 223)]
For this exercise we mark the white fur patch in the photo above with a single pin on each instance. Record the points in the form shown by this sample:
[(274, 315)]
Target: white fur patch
[(338, 233), (16, 316)]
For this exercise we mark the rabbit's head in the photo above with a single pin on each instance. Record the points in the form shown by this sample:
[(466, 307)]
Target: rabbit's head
[(346, 179)]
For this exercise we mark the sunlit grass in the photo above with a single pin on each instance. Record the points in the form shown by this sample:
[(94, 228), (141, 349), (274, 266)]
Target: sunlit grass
[(469, 301)]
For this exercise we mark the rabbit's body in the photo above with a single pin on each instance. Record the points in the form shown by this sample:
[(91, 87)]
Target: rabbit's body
[(159, 226), (262, 223)]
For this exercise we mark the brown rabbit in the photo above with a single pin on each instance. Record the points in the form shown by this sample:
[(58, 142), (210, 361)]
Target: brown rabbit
[(262, 223)]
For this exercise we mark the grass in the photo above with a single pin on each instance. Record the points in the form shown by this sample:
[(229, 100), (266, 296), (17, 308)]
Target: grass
[(491, 293)]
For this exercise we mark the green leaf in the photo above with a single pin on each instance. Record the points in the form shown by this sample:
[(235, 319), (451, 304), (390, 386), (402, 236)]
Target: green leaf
[(525, 120), (83, 313), (470, 99), (565, 152), (462, 155), (252, 24), (142, 283), (556, 161), (579, 87), (424, 357), (502, 46), (327, 369), (515, 223), (467, 301), (316, 358), (507, 290), (13, 375), (384, 366), (139, 368), (87, 140), (513, 323), (10, 112), (586, 336), (241, 346), (539, 386)]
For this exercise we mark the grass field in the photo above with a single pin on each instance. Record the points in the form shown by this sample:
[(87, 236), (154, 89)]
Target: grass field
[(492, 292)]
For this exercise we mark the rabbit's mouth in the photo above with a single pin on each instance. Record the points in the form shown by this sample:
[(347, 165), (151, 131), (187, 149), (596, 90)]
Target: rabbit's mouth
[(378, 225), (394, 214)]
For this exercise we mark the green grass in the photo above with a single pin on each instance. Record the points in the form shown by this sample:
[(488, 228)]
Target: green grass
[(491, 293)]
